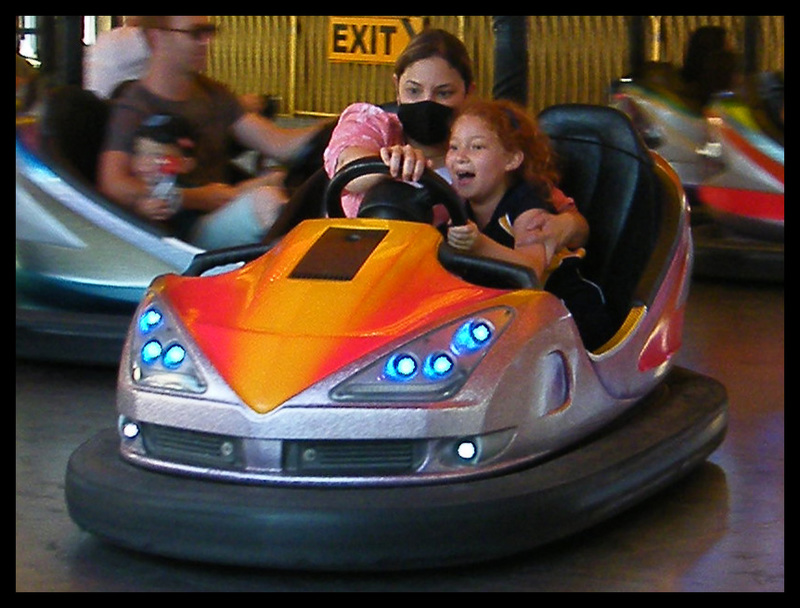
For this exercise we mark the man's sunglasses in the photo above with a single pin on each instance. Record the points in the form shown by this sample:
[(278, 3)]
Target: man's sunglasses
[(198, 32)]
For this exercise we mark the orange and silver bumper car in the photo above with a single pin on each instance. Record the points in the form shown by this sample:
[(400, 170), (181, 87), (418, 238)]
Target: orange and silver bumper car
[(729, 155), (361, 396)]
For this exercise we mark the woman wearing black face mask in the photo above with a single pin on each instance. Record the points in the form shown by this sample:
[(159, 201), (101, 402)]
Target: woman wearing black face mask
[(433, 79)]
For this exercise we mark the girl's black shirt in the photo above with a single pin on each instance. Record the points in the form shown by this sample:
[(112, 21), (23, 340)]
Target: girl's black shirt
[(517, 199)]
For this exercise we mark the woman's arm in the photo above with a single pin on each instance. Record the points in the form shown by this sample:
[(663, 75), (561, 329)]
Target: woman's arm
[(567, 228), (469, 238), (363, 130)]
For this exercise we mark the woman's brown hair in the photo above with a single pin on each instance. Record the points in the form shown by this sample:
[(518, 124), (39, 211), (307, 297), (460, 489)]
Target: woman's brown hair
[(436, 43)]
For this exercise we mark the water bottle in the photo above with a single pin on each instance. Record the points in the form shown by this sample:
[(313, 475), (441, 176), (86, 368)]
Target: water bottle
[(163, 183)]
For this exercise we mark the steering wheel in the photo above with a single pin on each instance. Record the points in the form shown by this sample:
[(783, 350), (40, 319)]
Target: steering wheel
[(441, 192)]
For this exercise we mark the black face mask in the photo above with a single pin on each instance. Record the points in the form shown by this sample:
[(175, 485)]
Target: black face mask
[(426, 122)]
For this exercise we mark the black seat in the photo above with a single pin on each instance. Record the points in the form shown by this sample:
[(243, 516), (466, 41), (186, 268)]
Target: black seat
[(607, 169), (73, 127), (306, 182), (305, 202)]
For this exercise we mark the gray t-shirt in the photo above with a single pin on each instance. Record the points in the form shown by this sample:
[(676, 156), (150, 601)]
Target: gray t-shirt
[(211, 109)]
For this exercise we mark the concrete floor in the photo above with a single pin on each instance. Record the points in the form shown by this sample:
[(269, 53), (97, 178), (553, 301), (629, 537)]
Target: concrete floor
[(720, 529)]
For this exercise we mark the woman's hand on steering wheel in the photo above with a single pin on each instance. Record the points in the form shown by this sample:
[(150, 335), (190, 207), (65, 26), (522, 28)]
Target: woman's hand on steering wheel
[(440, 191), (404, 162)]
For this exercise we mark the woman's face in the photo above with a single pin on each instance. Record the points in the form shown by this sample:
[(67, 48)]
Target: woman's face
[(431, 79)]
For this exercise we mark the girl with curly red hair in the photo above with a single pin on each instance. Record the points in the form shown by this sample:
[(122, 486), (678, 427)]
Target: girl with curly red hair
[(502, 164)]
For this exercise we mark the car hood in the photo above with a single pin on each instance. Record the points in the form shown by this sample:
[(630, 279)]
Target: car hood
[(327, 295)]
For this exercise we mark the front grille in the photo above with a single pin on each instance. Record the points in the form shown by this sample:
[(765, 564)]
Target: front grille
[(191, 447), (352, 457)]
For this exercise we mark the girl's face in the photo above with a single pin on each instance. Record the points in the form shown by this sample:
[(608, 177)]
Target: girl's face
[(478, 162), (431, 79)]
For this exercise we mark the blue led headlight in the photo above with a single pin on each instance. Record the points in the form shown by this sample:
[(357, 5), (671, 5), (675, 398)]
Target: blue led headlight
[(151, 352), (445, 357), (159, 357), (439, 365), (401, 367), (174, 355), (149, 320), (472, 336)]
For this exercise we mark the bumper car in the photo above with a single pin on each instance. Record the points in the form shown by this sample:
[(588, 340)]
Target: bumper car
[(360, 396), (729, 156), (83, 263)]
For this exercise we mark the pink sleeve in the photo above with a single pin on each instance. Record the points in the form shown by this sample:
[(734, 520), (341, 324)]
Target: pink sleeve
[(363, 125), (561, 201)]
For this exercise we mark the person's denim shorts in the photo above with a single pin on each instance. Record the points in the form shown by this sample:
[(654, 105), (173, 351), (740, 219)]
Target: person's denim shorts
[(234, 224)]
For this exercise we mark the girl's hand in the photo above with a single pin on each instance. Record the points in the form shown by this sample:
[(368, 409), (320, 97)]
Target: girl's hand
[(463, 237), (404, 162)]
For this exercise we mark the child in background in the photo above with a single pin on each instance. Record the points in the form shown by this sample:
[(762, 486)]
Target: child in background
[(502, 165)]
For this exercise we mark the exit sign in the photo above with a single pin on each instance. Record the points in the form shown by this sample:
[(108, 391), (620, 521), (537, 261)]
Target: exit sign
[(370, 39)]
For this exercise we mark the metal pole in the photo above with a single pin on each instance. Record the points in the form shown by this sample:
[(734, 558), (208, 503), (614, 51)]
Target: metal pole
[(751, 40), (636, 30), (72, 41), (511, 58)]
